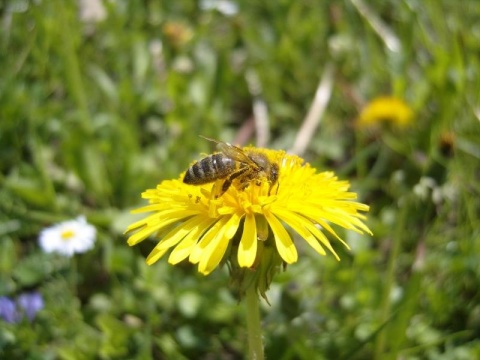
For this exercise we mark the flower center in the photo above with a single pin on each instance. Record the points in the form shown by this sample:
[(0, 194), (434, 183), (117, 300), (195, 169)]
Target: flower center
[(67, 234)]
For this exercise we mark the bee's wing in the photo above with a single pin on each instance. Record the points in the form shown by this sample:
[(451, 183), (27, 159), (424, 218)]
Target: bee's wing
[(232, 151), (235, 153)]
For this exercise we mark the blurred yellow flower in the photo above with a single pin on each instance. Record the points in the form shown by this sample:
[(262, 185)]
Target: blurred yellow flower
[(385, 109), (177, 33), (238, 224)]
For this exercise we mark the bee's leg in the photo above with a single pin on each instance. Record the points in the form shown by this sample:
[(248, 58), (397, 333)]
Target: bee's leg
[(228, 181), (226, 184), (249, 178), (271, 187), (217, 189)]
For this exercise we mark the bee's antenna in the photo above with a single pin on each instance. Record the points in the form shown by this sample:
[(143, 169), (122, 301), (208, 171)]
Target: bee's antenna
[(207, 138)]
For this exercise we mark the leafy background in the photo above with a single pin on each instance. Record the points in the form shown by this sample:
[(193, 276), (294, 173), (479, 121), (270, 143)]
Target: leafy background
[(94, 110)]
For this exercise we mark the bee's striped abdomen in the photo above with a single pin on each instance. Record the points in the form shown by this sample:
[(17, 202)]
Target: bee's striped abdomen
[(209, 169)]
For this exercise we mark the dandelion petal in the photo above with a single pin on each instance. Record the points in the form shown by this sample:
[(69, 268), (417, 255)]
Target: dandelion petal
[(215, 251), (247, 250), (284, 243), (184, 248), (213, 254)]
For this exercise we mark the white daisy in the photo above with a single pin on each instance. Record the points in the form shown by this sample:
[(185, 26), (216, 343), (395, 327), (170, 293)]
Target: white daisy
[(228, 8), (68, 237)]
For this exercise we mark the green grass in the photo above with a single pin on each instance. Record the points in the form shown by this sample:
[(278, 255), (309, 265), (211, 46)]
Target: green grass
[(92, 114)]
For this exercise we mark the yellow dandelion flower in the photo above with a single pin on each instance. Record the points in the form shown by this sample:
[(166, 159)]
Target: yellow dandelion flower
[(385, 109), (251, 221)]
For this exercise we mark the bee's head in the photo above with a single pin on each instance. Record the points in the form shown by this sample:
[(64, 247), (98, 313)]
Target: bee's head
[(273, 173), (265, 167)]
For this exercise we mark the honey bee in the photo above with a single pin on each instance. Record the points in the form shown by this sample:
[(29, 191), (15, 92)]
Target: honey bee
[(231, 163)]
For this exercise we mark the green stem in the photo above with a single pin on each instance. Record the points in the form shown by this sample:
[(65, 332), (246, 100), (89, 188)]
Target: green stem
[(255, 343), (360, 144), (389, 282), (74, 275), (40, 163), (73, 73)]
